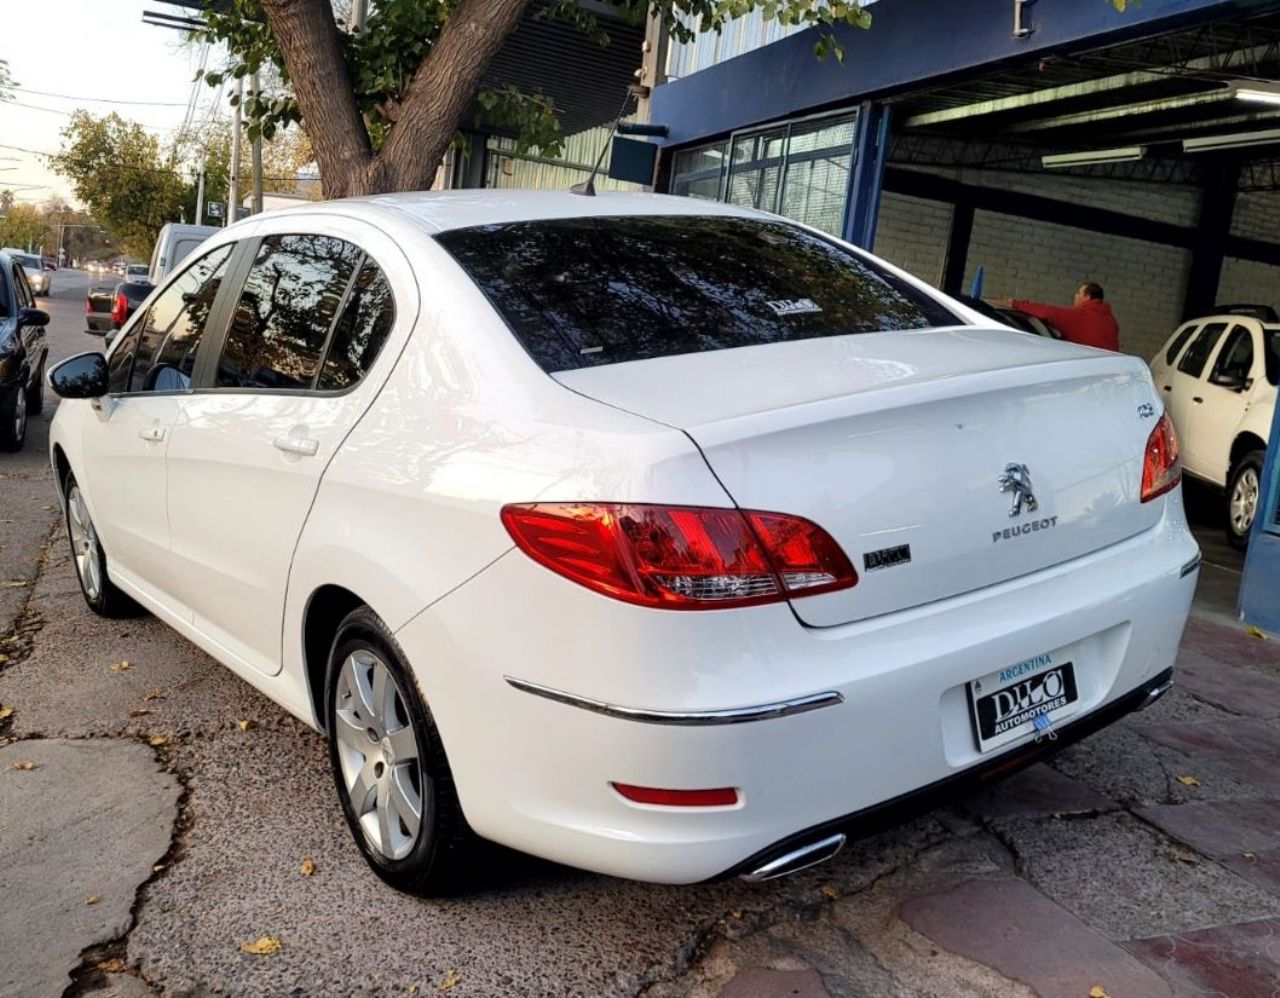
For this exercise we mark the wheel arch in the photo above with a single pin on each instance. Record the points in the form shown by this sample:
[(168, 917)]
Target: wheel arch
[(1244, 443), (325, 610), (62, 466)]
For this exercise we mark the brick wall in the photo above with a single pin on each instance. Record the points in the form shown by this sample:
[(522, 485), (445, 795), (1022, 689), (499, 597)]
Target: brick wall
[(1145, 282)]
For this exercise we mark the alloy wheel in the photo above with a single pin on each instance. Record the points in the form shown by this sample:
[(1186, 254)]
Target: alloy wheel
[(20, 415), (378, 755), (84, 544), (1244, 501)]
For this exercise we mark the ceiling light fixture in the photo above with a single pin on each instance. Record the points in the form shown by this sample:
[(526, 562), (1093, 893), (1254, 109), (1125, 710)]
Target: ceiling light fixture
[(1125, 154), (1258, 92), (1237, 140)]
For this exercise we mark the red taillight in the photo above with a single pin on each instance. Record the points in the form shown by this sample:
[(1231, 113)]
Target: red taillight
[(681, 557), (119, 309), (1161, 469), (719, 797)]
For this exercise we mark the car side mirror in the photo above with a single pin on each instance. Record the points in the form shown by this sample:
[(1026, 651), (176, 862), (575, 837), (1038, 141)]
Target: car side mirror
[(33, 317), (80, 377), (1229, 379)]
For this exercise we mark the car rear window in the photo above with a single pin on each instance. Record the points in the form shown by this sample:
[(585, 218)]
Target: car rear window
[(582, 292)]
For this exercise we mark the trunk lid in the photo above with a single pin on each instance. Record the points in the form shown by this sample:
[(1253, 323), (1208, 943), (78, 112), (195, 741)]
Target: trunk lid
[(897, 445)]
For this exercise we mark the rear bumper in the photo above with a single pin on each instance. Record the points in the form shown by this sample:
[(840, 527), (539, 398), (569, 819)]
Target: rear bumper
[(534, 772), (98, 322)]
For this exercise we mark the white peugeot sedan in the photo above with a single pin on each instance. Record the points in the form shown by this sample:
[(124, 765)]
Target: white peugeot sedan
[(657, 537)]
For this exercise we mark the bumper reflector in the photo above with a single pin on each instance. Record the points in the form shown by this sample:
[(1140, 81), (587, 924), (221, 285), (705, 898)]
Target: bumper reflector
[(720, 797)]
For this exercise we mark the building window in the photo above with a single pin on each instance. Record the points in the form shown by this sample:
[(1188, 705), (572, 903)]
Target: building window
[(800, 170)]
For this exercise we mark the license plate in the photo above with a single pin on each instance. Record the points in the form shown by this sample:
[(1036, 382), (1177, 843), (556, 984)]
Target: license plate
[(1004, 704)]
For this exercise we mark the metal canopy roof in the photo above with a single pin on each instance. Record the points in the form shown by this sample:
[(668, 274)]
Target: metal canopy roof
[(1154, 92)]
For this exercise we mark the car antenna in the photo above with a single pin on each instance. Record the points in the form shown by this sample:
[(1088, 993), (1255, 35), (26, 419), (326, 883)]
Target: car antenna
[(588, 187)]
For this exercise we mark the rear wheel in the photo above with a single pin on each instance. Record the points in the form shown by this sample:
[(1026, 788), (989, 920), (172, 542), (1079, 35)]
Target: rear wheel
[(389, 766), (100, 593), (1243, 489), (13, 419)]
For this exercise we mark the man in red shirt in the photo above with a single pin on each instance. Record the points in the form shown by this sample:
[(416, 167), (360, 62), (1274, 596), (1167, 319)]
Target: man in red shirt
[(1089, 321)]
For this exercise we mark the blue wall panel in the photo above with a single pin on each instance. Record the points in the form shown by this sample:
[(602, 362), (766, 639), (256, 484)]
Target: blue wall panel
[(910, 42), (1260, 590)]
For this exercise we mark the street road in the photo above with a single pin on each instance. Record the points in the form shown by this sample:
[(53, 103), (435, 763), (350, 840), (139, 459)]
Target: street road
[(168, 810)]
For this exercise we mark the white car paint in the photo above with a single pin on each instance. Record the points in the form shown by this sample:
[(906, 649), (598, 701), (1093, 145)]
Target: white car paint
[(882, 438)]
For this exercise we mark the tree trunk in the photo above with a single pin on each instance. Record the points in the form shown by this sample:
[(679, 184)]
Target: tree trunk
[(437, 98), (311, 47)]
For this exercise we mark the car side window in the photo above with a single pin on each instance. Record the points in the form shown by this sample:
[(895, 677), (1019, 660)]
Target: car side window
[(1175, 347), (1201, 349), (22, 289), (1235, 360), (173, 325), (287, 308), (362, 328)]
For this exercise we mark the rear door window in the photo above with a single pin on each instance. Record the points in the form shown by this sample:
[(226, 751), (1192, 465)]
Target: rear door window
[(362, 328), (280, 326), (23, 290), (581, 292), (1235, 359), (1202, 347)]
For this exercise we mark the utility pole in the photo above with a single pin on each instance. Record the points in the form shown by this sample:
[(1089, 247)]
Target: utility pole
[(233, 192), (200, 190), (257, 152), (359, 14)]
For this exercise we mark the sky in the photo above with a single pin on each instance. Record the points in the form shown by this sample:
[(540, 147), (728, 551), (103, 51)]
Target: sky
[(88, 52)]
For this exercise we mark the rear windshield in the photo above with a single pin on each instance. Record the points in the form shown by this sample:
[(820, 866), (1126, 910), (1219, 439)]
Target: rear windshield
[(582, 292)]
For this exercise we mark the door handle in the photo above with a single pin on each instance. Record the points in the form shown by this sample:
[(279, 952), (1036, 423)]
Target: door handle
[(152, 434), (1196, 398), (297, 445)]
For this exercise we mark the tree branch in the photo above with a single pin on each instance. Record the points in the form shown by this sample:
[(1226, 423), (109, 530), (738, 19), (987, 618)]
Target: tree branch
[(440, 93), (311, 47)]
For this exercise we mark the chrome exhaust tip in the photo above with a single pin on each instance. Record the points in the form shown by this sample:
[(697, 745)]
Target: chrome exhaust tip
[(797, 859), (1154, 693)]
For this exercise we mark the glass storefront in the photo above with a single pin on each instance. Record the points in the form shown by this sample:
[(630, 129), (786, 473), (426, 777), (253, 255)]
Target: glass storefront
[(799, 169)]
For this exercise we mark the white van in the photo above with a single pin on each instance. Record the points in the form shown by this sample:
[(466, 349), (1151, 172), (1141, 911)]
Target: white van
[(173, 244)]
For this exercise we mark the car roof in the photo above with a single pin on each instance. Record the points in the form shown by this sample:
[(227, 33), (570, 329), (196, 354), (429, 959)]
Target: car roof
[(440, 211)]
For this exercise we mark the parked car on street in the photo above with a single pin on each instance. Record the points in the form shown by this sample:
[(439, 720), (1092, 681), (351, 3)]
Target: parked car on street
[(137, 272), (110, 304), (1218, 375), (659, 537), (174, 244), (23, 351), (37, 277)]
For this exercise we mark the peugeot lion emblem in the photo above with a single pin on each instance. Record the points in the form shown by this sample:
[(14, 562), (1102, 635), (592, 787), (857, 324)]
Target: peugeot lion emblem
[(1017, 479)]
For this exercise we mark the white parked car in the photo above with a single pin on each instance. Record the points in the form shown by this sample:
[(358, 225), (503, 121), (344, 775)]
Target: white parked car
[(31, 264), (1218, 376), (662, 538)]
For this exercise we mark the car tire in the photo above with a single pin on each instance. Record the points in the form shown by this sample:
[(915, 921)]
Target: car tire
[(1244, 486), (89, 560), (13, 419), (35, 393), (380, 777)]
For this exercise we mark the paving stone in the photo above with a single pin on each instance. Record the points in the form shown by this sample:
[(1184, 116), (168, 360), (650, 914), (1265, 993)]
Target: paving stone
[(1233, 645), (1127, 880), (1239, 689), (1240, 961), (1038, 790), (1263, 868), (1011, 927), (1220, 829), (759, 982), (1246, 748)]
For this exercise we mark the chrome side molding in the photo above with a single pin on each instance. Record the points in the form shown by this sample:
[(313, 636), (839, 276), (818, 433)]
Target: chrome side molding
[(798, 859), (690, 718)]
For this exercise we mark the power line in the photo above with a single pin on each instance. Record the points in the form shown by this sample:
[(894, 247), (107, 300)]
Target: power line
[(100, 100), (67, 114)]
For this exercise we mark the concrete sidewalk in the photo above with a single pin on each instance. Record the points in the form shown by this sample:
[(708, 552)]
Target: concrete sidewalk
[(1142, 862)]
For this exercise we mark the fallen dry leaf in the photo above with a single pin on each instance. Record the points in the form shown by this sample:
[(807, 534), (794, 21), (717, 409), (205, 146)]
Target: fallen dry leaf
[(1056, 816), (1249, 856), (451, 980), (1185, 857), (155, 741), (139, 711), (26, 765), (5, 709), (411, 989), (735, 912), (14, 584), (308, 867), (1188, 781), (1098, 991), (3, 659), (112, 966), (153, 695), (122, 666), (830, 892), (93, 899), (244, 725), (1255, 632), (263, 946), (158, 868)]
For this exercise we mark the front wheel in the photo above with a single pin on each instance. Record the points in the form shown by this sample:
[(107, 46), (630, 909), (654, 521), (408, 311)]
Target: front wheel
[(389, 766), (1243, 489), (13, 419), (100, 593)]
